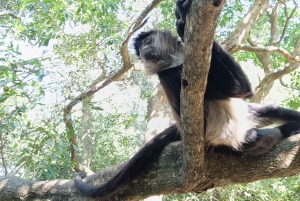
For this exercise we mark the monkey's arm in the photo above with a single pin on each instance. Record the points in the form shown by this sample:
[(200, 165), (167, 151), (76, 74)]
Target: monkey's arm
[(226, 79), (180, 13)]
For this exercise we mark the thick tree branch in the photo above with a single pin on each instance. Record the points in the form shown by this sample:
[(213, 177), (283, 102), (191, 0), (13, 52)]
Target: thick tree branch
[(199, 34), (164, 177)]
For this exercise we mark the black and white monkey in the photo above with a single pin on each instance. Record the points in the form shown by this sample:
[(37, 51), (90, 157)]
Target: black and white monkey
[(231, 124)]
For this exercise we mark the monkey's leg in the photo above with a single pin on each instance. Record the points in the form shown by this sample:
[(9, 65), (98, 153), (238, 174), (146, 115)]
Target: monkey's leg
[(289, 129), (258, 142), (261, 141), (275, 113)]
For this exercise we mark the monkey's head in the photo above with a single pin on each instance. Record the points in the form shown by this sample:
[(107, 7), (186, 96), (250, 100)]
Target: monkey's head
[(158, 50)]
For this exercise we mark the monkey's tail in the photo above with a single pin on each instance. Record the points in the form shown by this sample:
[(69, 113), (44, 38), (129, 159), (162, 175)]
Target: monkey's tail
[(138, 164)]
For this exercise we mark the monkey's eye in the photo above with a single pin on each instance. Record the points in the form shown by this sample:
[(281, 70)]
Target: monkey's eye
[(147, 41)]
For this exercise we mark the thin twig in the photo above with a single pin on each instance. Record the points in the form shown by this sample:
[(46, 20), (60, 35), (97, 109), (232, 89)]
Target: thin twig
[(10, 14), (287, 21), (2, 154), (24, 163)]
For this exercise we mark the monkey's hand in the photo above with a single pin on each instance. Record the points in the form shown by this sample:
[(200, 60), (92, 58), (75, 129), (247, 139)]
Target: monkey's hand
[(182, 7)]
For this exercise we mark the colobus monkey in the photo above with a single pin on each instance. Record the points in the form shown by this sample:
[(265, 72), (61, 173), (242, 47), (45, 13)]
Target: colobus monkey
[(231, 124), (230, 121)]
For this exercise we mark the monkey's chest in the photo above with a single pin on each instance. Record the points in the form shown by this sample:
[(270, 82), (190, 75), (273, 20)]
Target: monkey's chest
[(227, 122)]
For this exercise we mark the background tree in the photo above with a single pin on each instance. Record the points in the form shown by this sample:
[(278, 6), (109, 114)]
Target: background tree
[(72, 97)]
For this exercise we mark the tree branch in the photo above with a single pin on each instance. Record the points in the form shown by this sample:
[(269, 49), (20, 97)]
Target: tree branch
[(199, 34), (265, 61), (268, 80), (164, 177), (278, 50), (276, 75), (10, 14), (2, 144), (243, 28), (273, 16), (288, 18)]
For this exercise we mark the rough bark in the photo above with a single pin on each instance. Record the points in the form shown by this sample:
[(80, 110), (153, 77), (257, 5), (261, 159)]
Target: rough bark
[(165, 176), (199, 34)]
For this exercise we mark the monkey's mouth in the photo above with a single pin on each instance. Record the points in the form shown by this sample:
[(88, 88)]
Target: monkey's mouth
[(149, 57)]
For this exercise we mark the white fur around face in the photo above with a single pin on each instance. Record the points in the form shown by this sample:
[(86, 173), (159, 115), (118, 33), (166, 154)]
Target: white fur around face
[(168, 52), (227, 122)]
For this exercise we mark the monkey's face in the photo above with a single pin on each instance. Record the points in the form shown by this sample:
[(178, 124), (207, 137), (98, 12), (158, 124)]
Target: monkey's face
[(158, 50), (149, 51)]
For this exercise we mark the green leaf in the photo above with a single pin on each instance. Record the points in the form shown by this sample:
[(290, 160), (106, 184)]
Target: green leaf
[(3, 98), (97, 108), (13, 126), (46, 42), (23, 159), (52, 172), (44, 7)]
